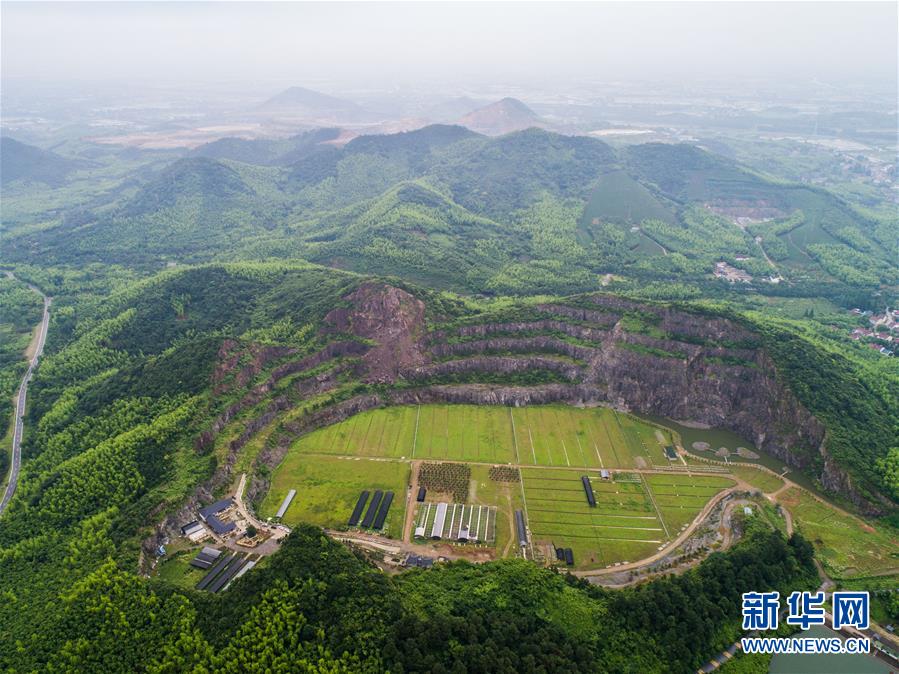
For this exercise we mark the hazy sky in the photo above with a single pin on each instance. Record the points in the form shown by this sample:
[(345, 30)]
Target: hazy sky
[(503, 43)]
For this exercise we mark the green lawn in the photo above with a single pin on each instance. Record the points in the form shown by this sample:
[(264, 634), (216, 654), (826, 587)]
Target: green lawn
[(623, 526), (328, 487), (759, 479), (177, 569), (844, 544), (546, 435)]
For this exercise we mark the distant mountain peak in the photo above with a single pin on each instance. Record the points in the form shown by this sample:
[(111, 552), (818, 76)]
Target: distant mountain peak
[(503, 116), (307, 101)]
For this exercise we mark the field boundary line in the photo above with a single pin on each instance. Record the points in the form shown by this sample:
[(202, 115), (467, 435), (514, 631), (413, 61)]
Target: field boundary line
[(652, 500), (415, 435), (514, 437), (612, 444)]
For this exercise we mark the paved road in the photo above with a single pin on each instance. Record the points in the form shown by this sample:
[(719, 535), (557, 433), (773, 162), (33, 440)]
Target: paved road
[(20, 404)]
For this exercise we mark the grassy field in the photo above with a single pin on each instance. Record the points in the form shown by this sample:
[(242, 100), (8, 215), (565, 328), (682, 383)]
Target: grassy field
[(177, 570), (624, 525), (546, 435), (844, 544), (759, 479), (633, 516), (679, 498), (327, 489)]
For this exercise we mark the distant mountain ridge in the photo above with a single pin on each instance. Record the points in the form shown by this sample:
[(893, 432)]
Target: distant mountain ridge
[(20, 161), (268, 152), (504, 116), (530, 211)]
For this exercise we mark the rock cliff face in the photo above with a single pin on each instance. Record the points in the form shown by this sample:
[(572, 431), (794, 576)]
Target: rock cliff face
[(606, 350), (393, 319)]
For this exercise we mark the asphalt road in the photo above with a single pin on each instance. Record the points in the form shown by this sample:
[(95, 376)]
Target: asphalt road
[(20, 406)]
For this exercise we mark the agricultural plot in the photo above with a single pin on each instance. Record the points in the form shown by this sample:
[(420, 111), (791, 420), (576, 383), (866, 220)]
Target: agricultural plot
[(847, 546), (545, 435), (759, 479), (465, 451), (680, 498), (558, 435), (623, 526), (328, 488), (387, 432), (464, 433)]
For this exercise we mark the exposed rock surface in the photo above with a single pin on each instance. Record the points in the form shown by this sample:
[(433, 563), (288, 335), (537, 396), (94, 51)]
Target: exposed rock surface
[(393, 319), (704, 369)]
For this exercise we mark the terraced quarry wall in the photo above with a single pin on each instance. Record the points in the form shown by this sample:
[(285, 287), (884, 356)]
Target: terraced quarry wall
[(380, 350)]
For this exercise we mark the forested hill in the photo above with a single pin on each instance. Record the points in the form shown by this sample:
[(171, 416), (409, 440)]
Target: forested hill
[(120, 435), (524, 213), (26, 163)]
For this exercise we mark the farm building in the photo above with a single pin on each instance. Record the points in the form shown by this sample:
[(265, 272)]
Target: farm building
[(439, 521), (456, 522), (422, 492), (369, 518), (671, 453), (210, 515), (285, 503), (569, 557), (588, 490), (357, 511), (520, 529), (418, 561), (214, 571), (205, 558), (382, 512), (605, 474), (195, 531)]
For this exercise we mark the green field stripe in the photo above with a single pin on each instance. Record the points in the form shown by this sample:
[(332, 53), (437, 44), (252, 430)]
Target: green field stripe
[(432, 430), (607, 428), (563, 535), (575, 425), (415, 433), (659, 512), (531, 438), (588, 426)]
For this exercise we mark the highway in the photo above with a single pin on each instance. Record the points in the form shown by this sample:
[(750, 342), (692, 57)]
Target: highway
[(20, 404)]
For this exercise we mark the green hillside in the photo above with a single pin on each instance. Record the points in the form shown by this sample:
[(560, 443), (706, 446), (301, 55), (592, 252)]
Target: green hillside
[(557, 212), (121, 405)]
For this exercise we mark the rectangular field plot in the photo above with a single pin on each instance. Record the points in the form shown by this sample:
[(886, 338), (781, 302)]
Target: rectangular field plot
[(328, 488), (564, 436), (464, 433), (759, 479), (465, 523), (543, 435), (382, 432), (680, 498), (624, 524)]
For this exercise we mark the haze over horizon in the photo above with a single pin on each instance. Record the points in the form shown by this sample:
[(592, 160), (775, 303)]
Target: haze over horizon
[(394, 44)]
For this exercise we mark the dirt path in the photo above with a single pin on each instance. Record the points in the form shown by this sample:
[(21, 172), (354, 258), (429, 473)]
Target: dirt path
[(758, 242), (275, 533), (395, 547)]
